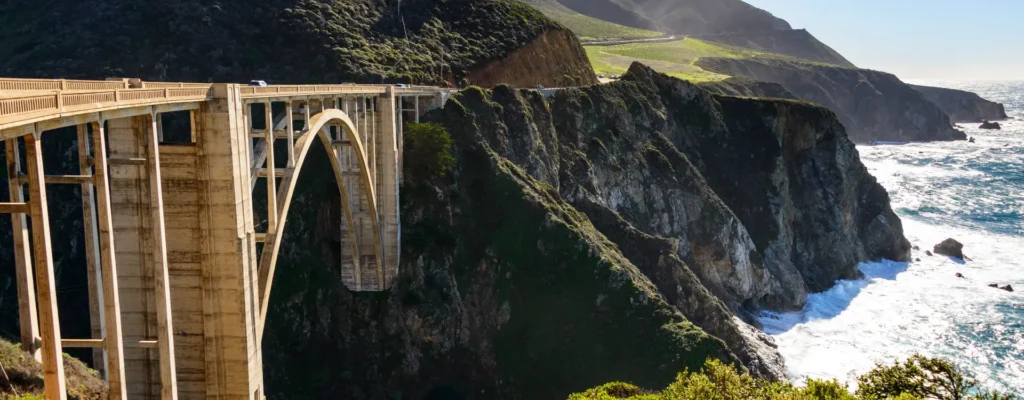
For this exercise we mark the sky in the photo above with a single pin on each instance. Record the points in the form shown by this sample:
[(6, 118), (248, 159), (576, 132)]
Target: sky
[(917, 39)]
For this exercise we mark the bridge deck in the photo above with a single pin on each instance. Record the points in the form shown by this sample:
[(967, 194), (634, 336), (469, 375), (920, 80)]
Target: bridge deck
[(179, 288)]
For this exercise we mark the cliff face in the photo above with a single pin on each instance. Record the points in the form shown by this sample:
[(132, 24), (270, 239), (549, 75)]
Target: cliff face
[(962, 106), (554, 59), (791, 42), (609, 233), (506, 291), (281, 41), (871, 105)]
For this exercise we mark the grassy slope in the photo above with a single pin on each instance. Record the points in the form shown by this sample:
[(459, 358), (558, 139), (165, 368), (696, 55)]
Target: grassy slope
[(282, 41), (22, 377), (676, 58), (588, 28)]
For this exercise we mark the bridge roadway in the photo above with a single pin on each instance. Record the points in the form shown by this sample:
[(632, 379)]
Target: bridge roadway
[(179, 277)]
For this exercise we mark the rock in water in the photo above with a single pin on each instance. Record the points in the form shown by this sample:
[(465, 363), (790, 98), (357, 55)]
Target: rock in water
[(993, 285), (950, 247), (928, 253), (1007, 288), (990, 125)]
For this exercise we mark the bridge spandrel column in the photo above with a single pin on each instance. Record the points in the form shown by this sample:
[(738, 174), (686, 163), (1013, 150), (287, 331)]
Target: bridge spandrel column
[(387, 187), (232, 358)]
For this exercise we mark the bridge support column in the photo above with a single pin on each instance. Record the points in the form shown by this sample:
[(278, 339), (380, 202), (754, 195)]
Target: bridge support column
[(49, 324), (100, 244), (22, 255), (139, 235), (233, 358), (388, 154)]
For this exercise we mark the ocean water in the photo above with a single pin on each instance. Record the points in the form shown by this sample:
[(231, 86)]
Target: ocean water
[(973, 192)]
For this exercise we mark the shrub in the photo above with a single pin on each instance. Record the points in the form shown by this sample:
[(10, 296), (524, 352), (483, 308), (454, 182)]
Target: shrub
[(428, 152), (918, 378), (929, 378), (22, 377)]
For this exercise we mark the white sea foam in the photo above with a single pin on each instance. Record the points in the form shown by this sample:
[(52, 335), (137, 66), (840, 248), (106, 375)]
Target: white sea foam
[(971, 192)]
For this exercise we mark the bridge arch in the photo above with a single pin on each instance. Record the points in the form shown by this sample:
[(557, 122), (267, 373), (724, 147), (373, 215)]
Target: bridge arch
[(316, 131)]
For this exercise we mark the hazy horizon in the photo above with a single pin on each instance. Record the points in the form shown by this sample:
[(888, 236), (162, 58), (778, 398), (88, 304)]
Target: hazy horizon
[(936, 40)]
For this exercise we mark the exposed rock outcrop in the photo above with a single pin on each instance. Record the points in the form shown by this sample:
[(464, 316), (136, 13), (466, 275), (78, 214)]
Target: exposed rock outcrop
[(505, 291), (871, 105), (797, 43), (591, 237), (554, 59), (962, 106)]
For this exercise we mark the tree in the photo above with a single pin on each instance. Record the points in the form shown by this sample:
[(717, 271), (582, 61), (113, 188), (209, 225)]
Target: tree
[(428, 152), (924, 377)]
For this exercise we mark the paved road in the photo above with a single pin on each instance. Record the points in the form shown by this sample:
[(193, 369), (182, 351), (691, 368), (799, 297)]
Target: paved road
[(628, 41)]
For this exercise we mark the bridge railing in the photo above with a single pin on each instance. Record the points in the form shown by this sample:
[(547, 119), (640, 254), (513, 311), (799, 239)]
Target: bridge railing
[(60, 84), (20, 84), (298, 90), (22, 106), (162, 85)]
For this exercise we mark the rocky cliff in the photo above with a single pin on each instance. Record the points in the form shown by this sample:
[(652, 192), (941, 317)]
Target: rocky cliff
[(613, 232), (791, 42), (281, 41), (506, 291), (962, 106), (871, 105), (553, 59)]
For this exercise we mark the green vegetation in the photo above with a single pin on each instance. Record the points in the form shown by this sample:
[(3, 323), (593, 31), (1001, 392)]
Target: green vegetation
[(281, 42), (923, 377), (676, 58), (21, 376), (587, 27), (918, 378), (574, 310), (428, 152)]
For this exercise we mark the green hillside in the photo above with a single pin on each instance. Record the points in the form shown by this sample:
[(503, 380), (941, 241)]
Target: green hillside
[(588, 28), (675, 58), (432, 42)]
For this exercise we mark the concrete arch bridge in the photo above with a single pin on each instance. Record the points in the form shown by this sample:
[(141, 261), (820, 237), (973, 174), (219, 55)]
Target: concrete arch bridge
[(179, 276)]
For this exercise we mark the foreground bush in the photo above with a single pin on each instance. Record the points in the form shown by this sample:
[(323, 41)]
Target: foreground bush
[(916, 379), (428, 152)]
